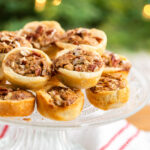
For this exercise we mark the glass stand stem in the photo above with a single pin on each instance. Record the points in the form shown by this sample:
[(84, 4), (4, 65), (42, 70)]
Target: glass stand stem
[(31, 139)]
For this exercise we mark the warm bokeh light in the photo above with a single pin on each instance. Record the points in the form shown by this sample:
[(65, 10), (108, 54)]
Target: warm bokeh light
[(146, 11), (40, 5), (56, 2)]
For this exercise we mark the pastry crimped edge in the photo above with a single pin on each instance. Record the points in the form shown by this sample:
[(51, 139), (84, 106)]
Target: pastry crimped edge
[(109, 99), (100, 48), (75, 79), (116, 69), (17, 108), (24, 81), (50, 24), (65, 113)]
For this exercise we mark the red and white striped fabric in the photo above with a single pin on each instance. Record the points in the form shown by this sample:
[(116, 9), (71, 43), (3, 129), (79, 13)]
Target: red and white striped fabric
[(3, 130), (116, 136)]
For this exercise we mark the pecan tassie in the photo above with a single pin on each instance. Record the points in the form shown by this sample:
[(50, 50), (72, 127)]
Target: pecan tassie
[(62, 96), (113, 60), (10, 93), (81, 36), (10, 40), (79, 60), (109, 82), (42, 35), (29, 63)]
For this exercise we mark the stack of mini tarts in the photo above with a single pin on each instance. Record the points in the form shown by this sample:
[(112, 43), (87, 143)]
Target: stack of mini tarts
[(79, 62)]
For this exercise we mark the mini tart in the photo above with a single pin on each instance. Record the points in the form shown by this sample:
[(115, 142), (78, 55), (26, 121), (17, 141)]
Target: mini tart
[(110, 92), (59, 102), (27, 67), (42, 34), (9, 41), (78, 68), (93, 39), (115, 63), (15, 102)]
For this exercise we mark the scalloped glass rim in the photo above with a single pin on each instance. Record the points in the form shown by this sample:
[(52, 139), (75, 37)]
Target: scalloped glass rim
[(91, 116)]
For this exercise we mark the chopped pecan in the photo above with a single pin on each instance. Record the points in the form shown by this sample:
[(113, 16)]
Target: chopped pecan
[(3, 91)]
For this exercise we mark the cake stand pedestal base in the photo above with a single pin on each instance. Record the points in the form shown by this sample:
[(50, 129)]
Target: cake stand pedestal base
[(36, 139)]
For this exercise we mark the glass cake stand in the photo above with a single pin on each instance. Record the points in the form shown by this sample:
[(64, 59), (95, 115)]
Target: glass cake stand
[(43, 134)]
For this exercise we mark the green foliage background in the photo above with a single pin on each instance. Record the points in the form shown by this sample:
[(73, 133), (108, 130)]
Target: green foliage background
[(121, 19)]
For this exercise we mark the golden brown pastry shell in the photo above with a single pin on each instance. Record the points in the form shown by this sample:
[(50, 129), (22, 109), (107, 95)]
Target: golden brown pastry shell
[(75, 79), (100, 48), (118, 69), (51, 111), (17, 108), (108, 99), (24, 81), (51, 24)]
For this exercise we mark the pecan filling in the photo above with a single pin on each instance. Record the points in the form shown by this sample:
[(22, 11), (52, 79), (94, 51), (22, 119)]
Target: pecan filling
[(81, 36), (41, 37), (109, 83), (29, 63), (9, 41), (62, 96), (8, 93), (79, 60), (113, 60)]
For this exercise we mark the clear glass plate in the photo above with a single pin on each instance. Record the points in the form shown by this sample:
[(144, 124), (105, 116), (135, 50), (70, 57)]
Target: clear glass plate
[(91, 116), (48, 134)]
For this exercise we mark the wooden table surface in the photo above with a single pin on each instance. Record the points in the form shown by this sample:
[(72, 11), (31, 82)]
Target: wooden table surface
[(141, 119)]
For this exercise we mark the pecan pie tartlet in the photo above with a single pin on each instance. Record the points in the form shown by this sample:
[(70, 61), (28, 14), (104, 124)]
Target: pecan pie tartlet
[(42, 34), (59, 102), (115, 63), (27, 67), (78, 68), (9, 41), (111, 91), (93, 39), (15, 102)]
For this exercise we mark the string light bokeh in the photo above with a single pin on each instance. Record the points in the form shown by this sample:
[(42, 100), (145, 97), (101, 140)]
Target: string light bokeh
[(146, 11), (40, 4)]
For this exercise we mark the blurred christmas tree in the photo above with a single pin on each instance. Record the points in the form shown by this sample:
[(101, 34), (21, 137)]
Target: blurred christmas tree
[(121, 20)]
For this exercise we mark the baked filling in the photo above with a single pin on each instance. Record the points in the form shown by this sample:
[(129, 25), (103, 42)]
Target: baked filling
[(109, 83), (28, 63), (62, 96), (81, 36), (113, 60), (9, 93), (79, 60), (9, 41), (41, 36)]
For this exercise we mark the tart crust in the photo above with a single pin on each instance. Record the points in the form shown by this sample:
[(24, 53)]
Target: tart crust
[(8, 41), (17, 108), (99, 48), (120, 69), (75, 79), (48, 109), (50, 25), (34, 82), (108, 99)]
